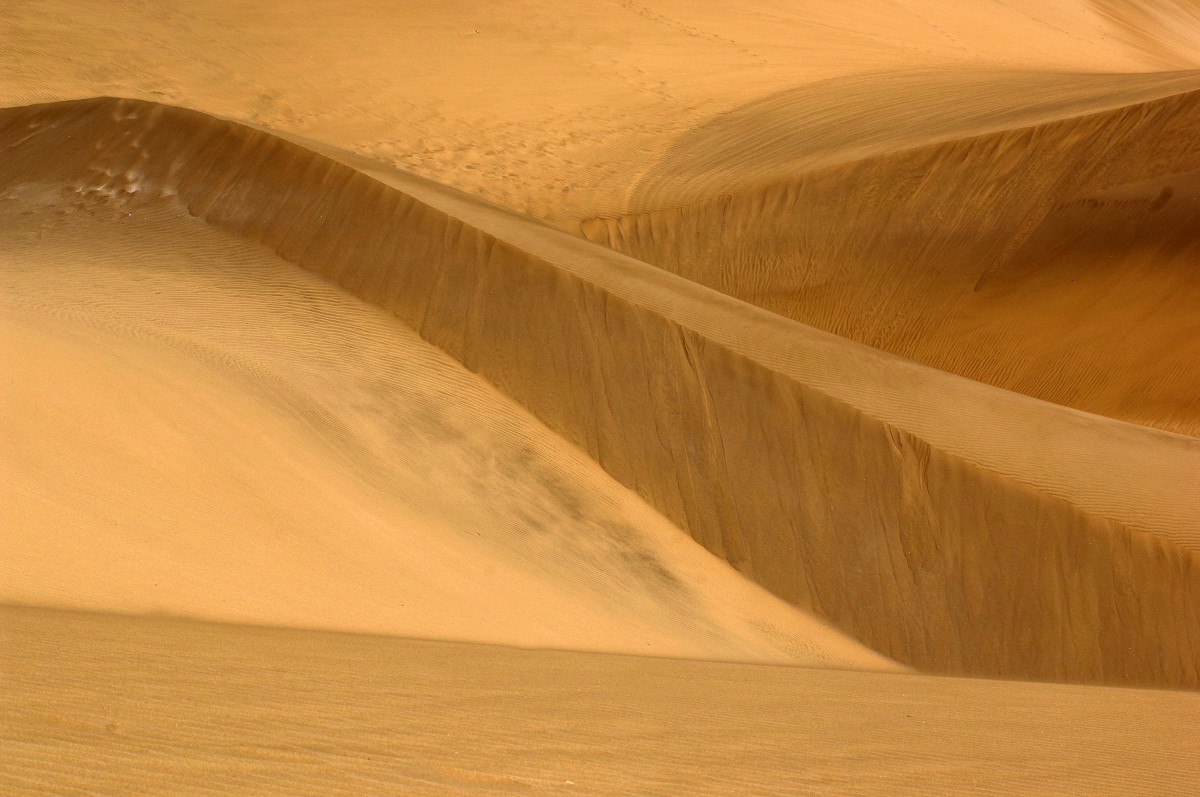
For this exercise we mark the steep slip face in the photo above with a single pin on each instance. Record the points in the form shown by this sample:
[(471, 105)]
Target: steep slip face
[(191, 426), (998, 257), (789, 134), (949, 525)]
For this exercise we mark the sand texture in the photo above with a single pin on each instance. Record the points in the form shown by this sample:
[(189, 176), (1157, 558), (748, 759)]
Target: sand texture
[(315, 464), (948, 519), (639, 397), (195, 709), (1029, 272)]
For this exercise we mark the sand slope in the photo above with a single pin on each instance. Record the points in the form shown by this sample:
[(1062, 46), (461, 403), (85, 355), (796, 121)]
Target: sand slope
[(947, 524), (788, 134), (1024, 258), (195, 427), (136, 706), (222, 397)]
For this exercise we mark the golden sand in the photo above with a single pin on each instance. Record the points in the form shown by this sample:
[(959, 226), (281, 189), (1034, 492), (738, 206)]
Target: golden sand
[(671, 381)]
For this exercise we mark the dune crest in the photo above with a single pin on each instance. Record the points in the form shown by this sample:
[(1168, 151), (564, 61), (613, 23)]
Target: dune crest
[(556, 111), (624, 396), (194, 427), (996, 257), (816, 125), (836, 476)]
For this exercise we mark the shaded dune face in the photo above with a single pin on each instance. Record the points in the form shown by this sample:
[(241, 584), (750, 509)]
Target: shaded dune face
[(788, 134), (1024, 258), (947, 524), (195, 427)]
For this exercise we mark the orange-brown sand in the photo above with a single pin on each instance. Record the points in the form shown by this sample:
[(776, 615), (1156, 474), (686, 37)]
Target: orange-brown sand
[(153, 705), (241, 441), (826, 341)]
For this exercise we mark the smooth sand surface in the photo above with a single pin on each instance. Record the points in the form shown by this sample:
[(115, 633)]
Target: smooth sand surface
[(472, 332), (143, 706)]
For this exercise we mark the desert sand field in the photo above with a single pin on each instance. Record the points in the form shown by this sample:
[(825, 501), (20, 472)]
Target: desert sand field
[(610, 397)]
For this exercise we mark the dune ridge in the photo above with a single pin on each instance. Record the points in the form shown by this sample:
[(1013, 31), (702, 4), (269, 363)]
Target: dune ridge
[(950, 543), (840, 120), (990, 256), (194, 427), (629, 78)]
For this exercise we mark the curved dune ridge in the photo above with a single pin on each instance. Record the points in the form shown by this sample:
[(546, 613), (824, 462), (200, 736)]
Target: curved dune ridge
[(651, 396), (945, 523), (1055, 260), (838, 120), (195, 427), (557, 111)]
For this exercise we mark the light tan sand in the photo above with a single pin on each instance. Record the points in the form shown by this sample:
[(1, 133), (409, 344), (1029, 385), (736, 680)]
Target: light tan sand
[(241, 441), (221, 402), (159, 706)]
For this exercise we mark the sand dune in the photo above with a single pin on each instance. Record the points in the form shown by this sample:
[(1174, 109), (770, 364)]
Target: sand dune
[(558, 112), (955, 501), (376, 376), (236, 427), (974, 256), (201, 709), (787, 135)]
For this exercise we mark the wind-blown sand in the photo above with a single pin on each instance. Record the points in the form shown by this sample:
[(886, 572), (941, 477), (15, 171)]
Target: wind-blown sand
[(890, 308)]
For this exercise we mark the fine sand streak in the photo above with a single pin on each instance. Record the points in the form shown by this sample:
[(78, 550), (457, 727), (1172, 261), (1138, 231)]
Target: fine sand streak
[(951, 525)]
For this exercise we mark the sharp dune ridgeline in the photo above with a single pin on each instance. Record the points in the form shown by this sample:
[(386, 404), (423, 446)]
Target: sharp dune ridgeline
[(207, 430), (1024, 258), (822, 470)]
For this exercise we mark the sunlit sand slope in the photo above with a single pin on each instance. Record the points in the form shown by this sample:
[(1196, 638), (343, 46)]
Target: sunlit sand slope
[(948, 524), (193, 426), (1057, 260), (109, 705), (1166, 31)]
